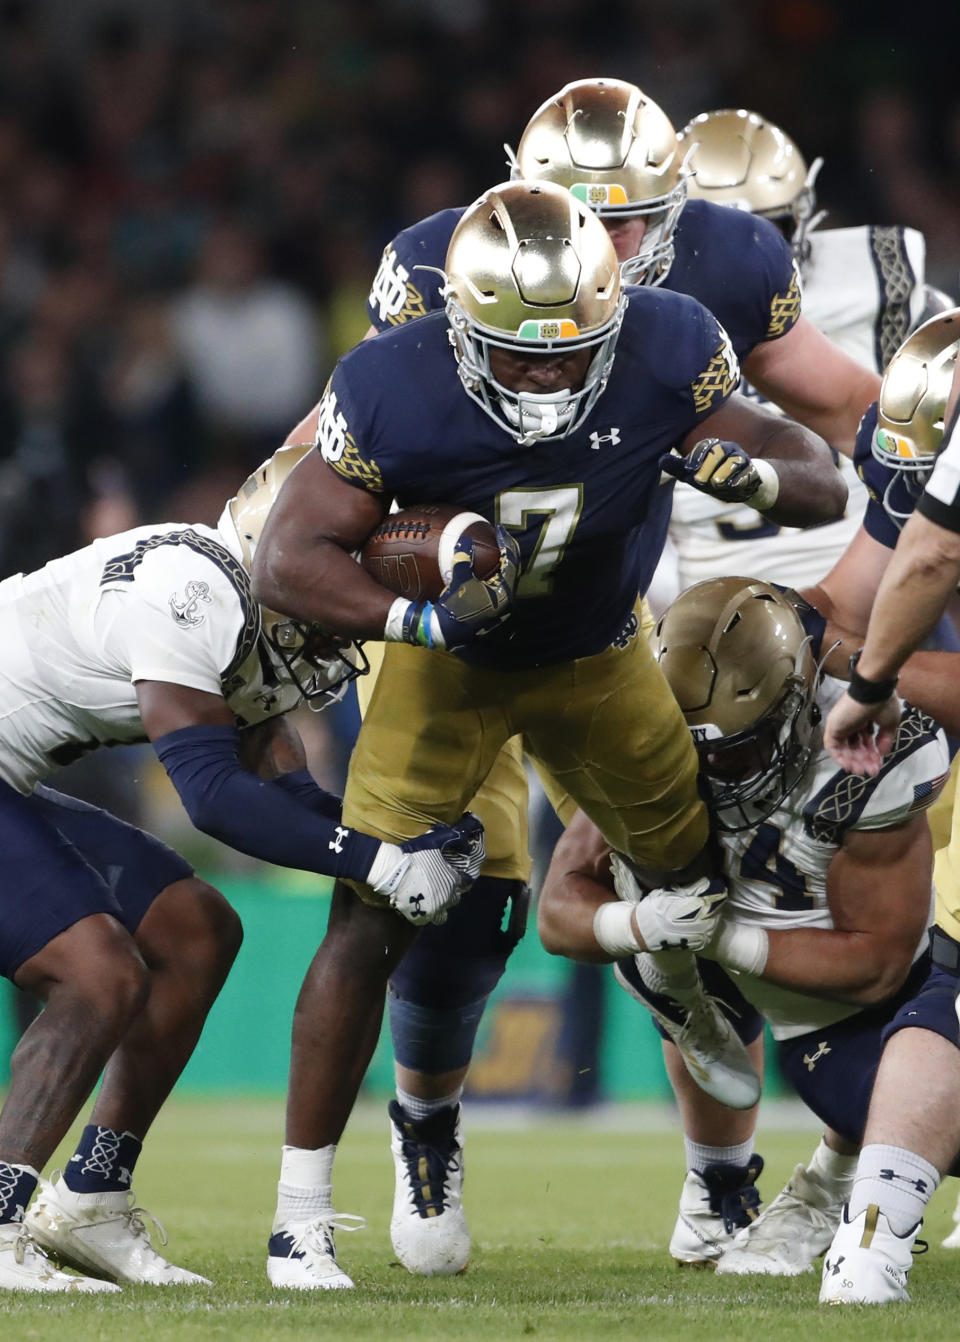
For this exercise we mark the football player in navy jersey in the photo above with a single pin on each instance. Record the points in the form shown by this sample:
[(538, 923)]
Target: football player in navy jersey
[(152, 634), (743, 270), (863, 287), (550, 400), (614, 148)]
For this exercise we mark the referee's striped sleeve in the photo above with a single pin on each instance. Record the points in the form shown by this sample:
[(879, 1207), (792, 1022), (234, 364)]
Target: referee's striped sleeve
[(940, 500)]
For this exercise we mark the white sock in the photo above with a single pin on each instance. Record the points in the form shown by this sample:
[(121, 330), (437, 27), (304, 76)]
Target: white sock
[(700, 1156), (899, 1182), (419, 1109), (831, 1168), (305, 1187)]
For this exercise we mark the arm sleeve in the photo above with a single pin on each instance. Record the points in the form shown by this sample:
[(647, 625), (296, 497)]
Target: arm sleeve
[(261, 818), (300, 784)]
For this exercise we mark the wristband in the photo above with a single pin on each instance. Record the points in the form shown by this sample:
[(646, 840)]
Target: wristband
[(741, 946), (613, 929), (768, 491), (864, 691), (412, 622)]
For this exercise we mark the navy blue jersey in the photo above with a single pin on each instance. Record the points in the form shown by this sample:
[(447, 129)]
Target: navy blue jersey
[(741, 268), (586, 509), (892, 494), (735, 264)]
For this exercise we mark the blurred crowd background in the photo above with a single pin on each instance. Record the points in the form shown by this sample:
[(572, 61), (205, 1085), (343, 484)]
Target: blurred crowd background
[(194, 195)]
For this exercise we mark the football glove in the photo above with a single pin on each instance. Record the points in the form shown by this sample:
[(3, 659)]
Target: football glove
[(468, 607), (718, 468), (674, 917), (423, 878)]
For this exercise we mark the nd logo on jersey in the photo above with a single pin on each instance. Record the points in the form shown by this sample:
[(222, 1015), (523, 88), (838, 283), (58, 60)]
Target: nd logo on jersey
[(331, 428), (718, 379), (392, 294)]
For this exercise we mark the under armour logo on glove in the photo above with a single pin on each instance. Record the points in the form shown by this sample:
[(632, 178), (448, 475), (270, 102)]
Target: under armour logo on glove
[(426, 876)]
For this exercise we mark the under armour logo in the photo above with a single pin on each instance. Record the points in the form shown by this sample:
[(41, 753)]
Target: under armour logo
[(834, 1267), (336, 844), (613, 438), (811, 1059), (267, 700), (919, 1184)]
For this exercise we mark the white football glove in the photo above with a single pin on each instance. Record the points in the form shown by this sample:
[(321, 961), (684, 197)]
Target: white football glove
[(674, 917), (423, 878)]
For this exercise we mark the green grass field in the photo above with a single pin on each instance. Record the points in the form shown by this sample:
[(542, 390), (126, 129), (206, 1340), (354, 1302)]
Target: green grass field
[(570, 1219)]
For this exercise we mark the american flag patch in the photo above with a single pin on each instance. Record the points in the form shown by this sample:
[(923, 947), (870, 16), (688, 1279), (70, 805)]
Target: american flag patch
[(925, 794)]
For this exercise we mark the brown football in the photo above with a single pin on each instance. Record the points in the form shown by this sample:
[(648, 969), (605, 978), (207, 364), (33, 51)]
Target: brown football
[(411, 552)]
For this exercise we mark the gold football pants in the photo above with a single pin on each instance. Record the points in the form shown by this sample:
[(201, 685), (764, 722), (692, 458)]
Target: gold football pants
[(605, 728), (502, 800)]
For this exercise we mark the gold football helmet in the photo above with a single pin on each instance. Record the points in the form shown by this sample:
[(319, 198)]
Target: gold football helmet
[(319, 664), (531, 270), (913, 400), (615, 149), (737, 158), (738, 660)]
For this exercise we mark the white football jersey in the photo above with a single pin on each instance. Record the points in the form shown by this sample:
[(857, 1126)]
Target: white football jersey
[(864, 288), (778, 869), (167, 603)]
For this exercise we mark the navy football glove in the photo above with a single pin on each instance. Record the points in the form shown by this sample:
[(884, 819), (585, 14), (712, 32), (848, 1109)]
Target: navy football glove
[(468, 607), (434, 870), (718, 468)]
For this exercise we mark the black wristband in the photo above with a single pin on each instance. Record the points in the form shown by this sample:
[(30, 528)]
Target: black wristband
[(944, 950), (863, 691)]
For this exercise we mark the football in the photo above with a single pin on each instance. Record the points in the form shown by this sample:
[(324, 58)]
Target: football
[(411, 552)]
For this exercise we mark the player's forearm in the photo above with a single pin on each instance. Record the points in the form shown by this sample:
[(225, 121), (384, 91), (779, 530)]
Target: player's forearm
[(323, 585), (268, 819), (930, 680), (848, 966), (565, 914), (913, 593), (811, 489)]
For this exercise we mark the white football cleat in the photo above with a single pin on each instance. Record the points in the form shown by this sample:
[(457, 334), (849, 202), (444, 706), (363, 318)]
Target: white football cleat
[(712, 1051), (104, 1234), (867, 1264), (791, 1232), (714, 1207), (428, 1229), (24, 1266), (953, 1239), (301, 1255)]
